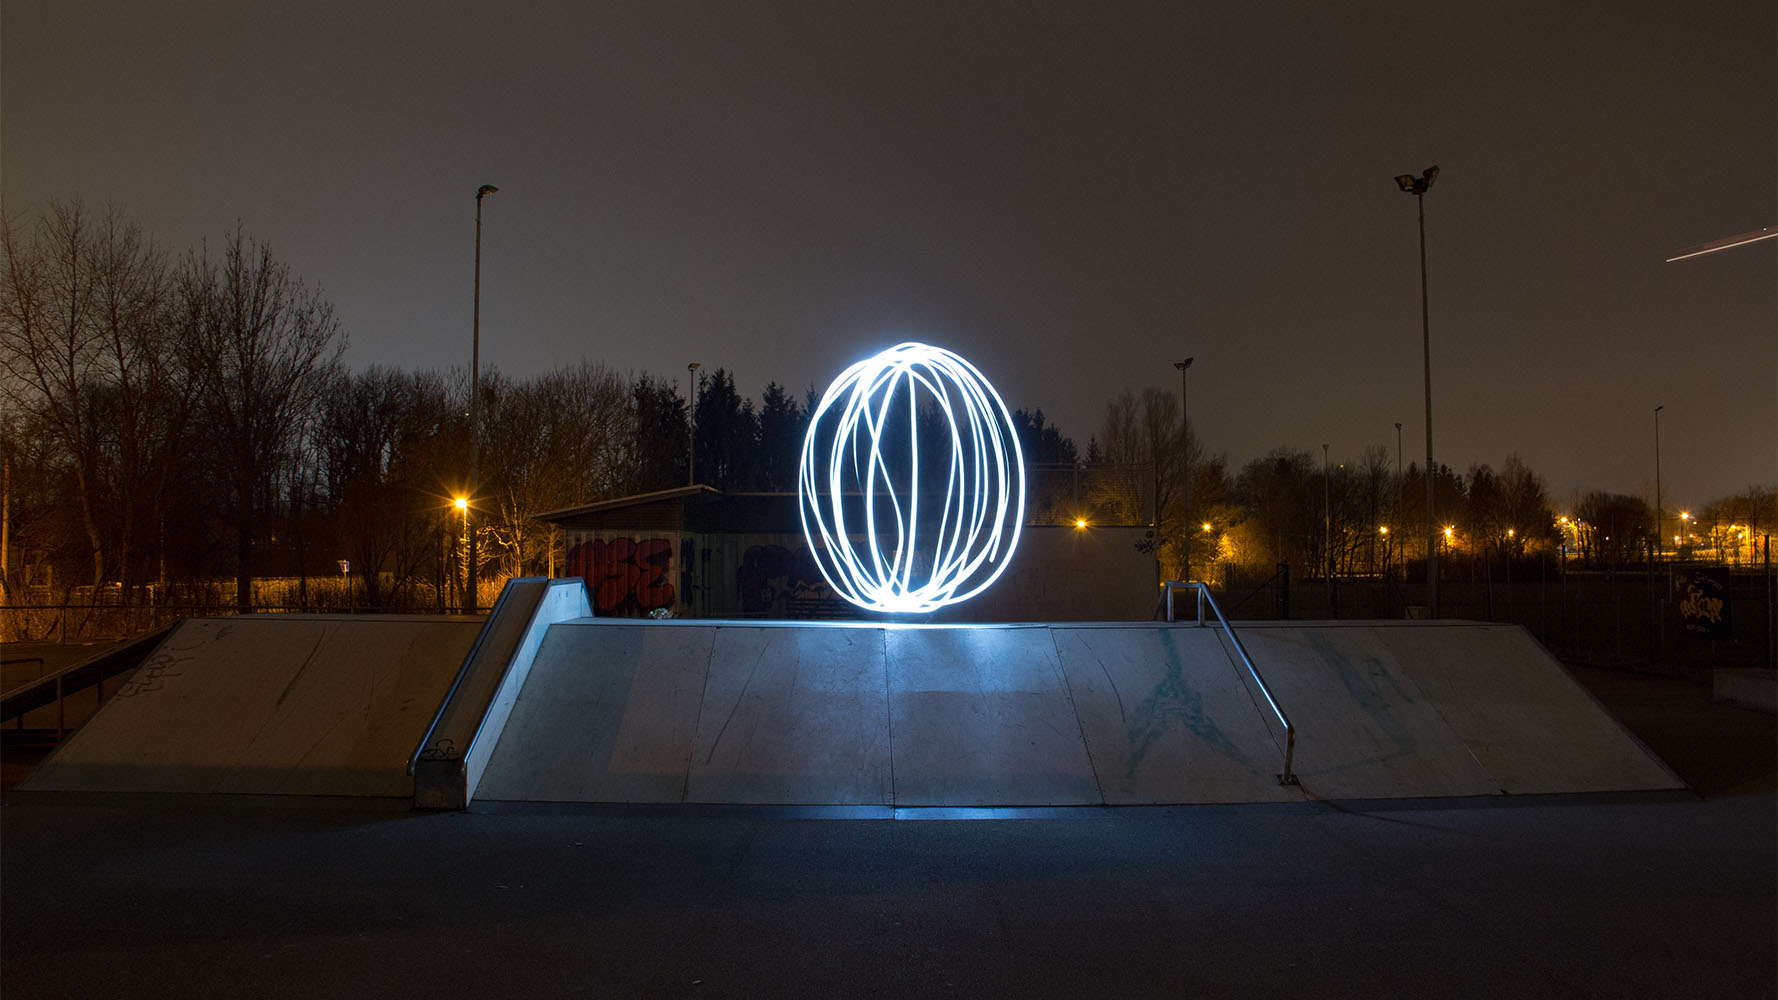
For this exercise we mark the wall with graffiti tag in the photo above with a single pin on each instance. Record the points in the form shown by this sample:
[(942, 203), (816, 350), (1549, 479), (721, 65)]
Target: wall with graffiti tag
[(626, 576), (779, 579), (1057, 574)]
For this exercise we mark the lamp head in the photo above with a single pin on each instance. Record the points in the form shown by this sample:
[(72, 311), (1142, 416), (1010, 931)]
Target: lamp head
[(1417, 185), (1183, 365), (484, 189)]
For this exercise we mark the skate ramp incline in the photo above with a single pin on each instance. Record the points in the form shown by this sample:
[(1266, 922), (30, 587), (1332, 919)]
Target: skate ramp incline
[(1024, 715), (283, 704), (1411, 709)]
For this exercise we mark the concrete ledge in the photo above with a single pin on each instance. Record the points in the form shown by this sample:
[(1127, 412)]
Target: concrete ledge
[(1749, 687)]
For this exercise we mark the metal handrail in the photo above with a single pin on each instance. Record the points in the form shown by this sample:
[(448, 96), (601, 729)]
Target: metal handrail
[(1287, 778), (425, 749)]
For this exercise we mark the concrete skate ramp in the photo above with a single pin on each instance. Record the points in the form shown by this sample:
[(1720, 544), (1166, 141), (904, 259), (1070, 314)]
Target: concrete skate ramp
[(1390, 709), (291, 704), (1008, 715)]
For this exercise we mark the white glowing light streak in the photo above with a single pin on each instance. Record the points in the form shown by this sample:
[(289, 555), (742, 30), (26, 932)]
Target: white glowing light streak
[(1726, 243), (907, 566)]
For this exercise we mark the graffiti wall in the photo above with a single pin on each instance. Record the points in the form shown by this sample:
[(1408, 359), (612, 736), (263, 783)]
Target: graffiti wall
[(1057, 574), (781, 581), (625, 577)]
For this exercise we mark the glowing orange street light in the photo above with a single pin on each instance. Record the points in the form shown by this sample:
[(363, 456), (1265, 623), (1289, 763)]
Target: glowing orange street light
[(462, 505), (1080, 522)]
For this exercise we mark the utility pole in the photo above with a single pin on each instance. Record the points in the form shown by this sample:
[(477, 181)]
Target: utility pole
[(1658, 529), (691, 435), (475, 396), (1418, 186), (1185, 473)]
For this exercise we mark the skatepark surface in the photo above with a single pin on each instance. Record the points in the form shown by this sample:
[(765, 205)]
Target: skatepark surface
[(1118, 714), (285, 704), (1649, 894), (863, 714)]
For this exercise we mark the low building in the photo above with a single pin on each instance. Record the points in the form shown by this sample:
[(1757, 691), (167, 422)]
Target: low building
[(698, 552)]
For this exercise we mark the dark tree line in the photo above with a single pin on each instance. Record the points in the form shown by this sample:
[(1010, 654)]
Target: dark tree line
[(172, 420), (140, 391)]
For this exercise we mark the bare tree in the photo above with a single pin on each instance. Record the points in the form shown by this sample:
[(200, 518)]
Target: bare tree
[(1615, 527), (1143, 431), (1282, 522), (383, 438), (48, 347), (147, 395), (88, 351), (1530, 519), (1376, 491), (553, 442), (263, 347)]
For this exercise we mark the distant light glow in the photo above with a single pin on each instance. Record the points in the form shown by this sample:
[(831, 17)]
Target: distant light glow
[(864, 482), (461, 503), (1080, 522)]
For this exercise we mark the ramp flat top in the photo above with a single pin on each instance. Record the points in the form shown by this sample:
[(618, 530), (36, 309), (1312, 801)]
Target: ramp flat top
[(296, 704)]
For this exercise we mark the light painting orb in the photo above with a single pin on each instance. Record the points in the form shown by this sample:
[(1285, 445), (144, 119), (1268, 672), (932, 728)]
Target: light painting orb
[(912, 483)]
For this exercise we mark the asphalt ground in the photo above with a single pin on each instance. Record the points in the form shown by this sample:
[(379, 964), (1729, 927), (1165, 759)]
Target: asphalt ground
[(1636, 895)]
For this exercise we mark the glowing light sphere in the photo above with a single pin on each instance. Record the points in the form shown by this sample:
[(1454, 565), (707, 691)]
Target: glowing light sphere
[(912, 483)]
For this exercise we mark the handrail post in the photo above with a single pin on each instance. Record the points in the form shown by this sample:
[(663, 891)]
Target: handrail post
[(1288, 778), (1203, 591)]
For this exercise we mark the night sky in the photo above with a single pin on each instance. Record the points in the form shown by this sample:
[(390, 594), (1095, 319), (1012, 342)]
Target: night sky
[(1074, 196)]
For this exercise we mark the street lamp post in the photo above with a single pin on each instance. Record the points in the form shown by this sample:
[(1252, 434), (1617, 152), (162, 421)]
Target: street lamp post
[(1658, 410), (691, 435), (1327, 517), (1400, 485), (475, 396), (1418, 186), (1185, 469)]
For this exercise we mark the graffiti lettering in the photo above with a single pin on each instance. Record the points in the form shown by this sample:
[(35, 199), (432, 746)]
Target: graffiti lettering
[(625, 576), (779, 583), (1696, 606), (1703, 593)]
